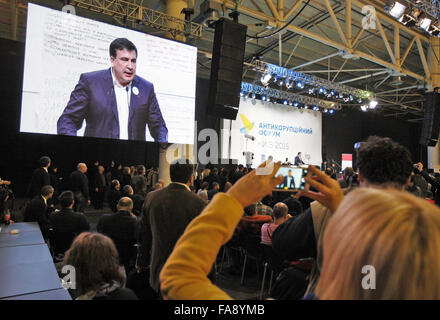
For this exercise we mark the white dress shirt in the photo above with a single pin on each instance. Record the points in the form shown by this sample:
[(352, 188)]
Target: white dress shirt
[(123, 95)]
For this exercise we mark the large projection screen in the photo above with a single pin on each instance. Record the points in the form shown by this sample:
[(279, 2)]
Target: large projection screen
[(269, 129), (61, 46)]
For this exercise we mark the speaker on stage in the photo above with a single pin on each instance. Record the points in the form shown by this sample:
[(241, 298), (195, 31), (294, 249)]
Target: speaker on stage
[(431, 122), (226, 68)]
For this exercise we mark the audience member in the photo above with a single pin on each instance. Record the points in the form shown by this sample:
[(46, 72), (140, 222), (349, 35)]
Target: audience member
[(435, 182), (250, 225), (127, 191), (139, 181), (40, 177), (294, 206), (56, 183), (126, 177), (99, 185), (394, 232), (123, 228), (139, 197), (114, 195), (280, 214), (67, 223), (79, 184), (166, 214), (203, 192), (98, 276), (263, 210), (215, 189), (38, 210), (237, 174)]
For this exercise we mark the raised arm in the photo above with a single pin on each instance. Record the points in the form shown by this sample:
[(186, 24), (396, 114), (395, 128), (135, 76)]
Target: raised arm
[(184, 275)]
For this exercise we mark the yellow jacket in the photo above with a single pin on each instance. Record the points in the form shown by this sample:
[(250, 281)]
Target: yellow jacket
[(184, 275)]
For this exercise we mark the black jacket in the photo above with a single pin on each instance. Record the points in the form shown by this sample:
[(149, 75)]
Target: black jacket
[(38, 211), (67, 220), (295, 238), (79, 183), (123, 229), (165, 216), (113, 199), (40, 178)]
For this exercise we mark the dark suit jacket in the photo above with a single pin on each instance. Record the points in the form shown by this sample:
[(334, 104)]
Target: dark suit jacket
[(298, 161), (66, 220), (79, 183), (38, 211), (165, 216), (94, 100), (40, 178), (123, 229), (292, 183)]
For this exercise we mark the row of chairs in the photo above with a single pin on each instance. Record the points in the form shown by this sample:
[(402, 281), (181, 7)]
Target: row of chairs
[(265, 258)]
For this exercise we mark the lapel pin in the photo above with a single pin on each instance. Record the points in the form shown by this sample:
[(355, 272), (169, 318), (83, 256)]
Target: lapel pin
[(135, 90)]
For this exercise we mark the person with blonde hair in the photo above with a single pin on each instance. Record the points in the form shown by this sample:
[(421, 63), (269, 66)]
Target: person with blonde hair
[(381, 245), (97, 272)]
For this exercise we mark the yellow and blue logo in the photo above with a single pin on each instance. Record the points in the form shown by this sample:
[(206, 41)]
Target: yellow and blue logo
[(247, 124)]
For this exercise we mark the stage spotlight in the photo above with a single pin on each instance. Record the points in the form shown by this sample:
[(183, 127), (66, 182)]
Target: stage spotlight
[(286, 102), (241, 93), (268, 99), (300, 85), (306, 107), (331, 111), (311, 91), (253, 96), (321, 90), (263, 98), (425, 23), (410, 19), (364, 108), (341, 96), (265, 79), (291, 103), (395, 9), (332, 93), (289, 84), (296, 104), (434, 29), (325, 110), (351, 98), (373, 104)]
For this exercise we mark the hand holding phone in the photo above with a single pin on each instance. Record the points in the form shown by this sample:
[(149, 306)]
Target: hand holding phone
[(329, 192)]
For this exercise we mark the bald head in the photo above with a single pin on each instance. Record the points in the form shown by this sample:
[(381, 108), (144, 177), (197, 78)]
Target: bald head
[(82, 167), (125, 204), (280, 210)]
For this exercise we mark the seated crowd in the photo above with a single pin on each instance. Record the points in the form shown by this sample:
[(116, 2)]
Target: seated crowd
[(165, 242)]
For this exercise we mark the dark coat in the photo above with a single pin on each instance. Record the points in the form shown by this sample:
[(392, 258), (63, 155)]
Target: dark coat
[(38, 211), (79, 183), (165, 216), (40, 178), (66, 220), (123, 229)]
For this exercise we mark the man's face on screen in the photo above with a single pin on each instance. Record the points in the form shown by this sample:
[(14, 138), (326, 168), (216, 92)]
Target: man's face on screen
[(124, 66)]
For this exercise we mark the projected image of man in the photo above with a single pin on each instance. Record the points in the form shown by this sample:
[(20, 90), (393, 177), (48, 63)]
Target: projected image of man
[(115, 103), (289, 181)]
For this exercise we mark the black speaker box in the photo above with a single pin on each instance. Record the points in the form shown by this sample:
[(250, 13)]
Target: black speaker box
[(226, 68), (431, 122)]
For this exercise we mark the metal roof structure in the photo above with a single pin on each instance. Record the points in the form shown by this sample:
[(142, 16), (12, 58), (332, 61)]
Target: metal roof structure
[(352, 43)]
